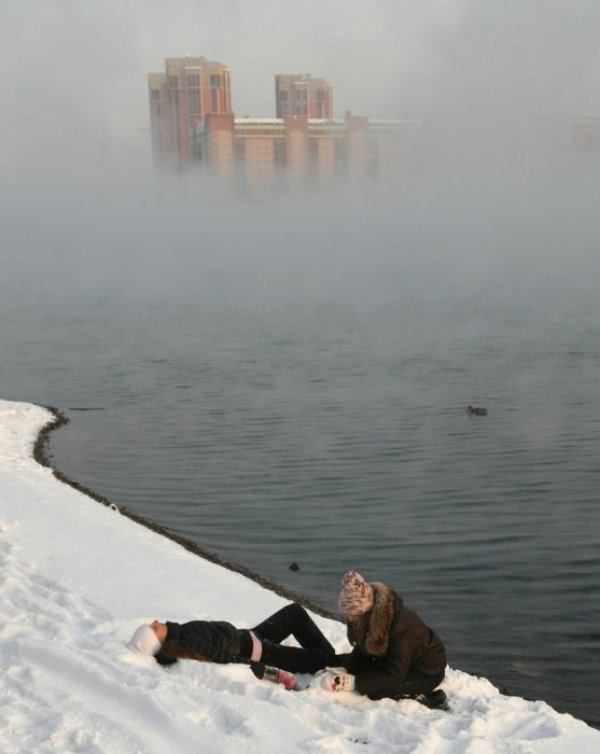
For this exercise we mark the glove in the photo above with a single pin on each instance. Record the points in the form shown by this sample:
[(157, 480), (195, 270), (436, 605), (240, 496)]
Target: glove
[(336, 679)]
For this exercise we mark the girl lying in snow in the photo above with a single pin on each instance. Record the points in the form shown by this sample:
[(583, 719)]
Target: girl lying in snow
[(394, 653)]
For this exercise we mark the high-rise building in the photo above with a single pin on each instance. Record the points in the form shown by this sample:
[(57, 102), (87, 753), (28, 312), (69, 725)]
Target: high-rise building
[(294, 152), (304, 146), (301, 94), (180, 99), (585, 135)]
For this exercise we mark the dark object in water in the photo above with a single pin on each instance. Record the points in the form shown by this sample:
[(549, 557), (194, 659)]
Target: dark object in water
[(92, 408), (477, 411), (294, 567)]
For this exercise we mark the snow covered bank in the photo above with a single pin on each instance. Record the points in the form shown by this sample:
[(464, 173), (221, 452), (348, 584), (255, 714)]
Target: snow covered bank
[(76, 579)]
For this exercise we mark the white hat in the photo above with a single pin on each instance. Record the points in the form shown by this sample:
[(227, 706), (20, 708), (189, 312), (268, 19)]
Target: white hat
[(145, 641)]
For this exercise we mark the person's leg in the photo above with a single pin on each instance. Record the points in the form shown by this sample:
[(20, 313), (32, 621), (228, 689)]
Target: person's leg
[(293, 620), (416, 684), (294, 659), (314, 653)]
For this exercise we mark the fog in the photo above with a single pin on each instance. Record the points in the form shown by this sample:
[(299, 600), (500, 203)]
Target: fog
[(497, 201)]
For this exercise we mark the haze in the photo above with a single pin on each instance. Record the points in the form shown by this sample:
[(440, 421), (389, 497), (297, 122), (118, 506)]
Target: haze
[(493, 82)]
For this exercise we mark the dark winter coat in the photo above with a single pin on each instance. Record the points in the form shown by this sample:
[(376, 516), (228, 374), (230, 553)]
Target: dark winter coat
[(392, 648), (211, 641)]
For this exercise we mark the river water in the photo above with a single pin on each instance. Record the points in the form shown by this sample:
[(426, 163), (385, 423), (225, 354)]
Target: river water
[(286, 380), (333, 433)]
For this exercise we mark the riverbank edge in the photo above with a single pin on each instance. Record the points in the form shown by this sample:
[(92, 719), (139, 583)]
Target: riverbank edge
[(41, 456)]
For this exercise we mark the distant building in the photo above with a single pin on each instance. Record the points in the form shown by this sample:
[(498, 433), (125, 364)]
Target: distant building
[(301, 94), (192, 122), (300, 152), (585, 135), (190, 89)]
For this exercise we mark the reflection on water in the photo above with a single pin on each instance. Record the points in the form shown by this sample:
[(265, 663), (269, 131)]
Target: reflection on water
[(337, 437)]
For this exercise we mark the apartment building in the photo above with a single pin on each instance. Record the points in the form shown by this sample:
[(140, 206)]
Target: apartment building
[(298, 152), (585, 135), (191, 88), (192, 123), (301, 94)]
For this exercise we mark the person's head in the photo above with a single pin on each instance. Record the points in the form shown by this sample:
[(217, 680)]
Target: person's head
[(145, 640), (160, 629), (356, 597)]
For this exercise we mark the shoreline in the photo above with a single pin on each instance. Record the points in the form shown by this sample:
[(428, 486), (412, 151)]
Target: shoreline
[(40, 452), (40, 455)]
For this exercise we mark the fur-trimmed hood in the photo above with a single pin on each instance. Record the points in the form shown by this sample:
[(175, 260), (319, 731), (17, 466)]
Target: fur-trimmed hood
[(376, 638)]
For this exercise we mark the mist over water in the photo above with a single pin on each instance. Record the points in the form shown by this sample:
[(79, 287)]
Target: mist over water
[(496, 88), (284, 377)]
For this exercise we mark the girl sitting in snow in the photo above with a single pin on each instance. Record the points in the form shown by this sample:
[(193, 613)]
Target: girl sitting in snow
[(394, 653)]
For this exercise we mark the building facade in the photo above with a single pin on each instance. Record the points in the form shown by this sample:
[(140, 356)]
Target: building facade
[(192, 123), (300, 94), (180, 98), (585, 136), (297, 152)]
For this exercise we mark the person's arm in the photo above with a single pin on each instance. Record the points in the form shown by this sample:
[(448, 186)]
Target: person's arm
[(343, 661)]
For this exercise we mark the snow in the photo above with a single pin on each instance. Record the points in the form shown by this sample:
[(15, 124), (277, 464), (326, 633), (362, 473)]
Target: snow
[(77, 578)]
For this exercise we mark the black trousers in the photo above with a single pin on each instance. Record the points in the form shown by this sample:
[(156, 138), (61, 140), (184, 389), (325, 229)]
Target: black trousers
[(419, 683), (314, 652)]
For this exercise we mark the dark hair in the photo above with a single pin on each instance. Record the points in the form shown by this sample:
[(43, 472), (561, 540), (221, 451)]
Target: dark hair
[(163, 659)]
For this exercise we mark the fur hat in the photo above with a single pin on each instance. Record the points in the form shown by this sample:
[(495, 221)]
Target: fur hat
[(144, 641), (356, 596)]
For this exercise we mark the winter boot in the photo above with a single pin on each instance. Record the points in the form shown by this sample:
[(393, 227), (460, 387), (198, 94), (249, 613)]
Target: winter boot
[(434, 700)]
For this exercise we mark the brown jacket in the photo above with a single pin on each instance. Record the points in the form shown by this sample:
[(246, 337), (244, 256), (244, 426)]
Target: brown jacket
[(392, 646)]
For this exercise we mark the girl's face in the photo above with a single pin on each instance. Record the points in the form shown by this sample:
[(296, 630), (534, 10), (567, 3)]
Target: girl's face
[(160, 630), (357, 626)]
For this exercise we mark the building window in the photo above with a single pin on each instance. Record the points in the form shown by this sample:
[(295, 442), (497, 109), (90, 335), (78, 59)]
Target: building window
[(155, 94), (173, 81), (215, 79), (194, 101), (321, 95), (193, 79)]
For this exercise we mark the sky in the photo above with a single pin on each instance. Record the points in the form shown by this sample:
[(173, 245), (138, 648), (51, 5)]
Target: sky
[(70, 684)]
